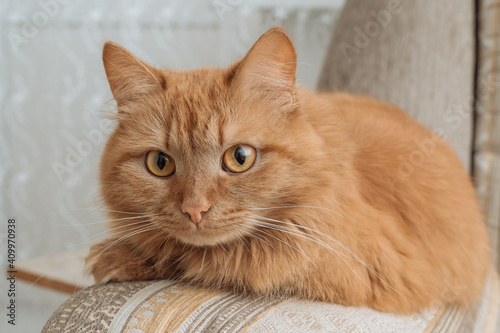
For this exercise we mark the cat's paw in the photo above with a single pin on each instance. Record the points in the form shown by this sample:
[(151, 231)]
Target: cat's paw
[(117, 262)]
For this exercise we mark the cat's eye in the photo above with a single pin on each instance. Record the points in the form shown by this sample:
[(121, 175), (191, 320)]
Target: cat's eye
[(239, 158), (160, 164)]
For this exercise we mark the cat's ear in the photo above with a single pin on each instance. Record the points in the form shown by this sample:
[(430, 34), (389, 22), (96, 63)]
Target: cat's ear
[(129, 78), (269, 66)]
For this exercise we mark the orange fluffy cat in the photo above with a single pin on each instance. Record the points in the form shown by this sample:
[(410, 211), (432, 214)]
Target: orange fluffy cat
[(240, 179)]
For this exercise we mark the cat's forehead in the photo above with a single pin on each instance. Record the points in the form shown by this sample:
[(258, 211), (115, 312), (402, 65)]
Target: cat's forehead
[(195, 105), (196, 88), (196, 112)]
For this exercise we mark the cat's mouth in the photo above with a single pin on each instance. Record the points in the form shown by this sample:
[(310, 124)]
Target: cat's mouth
[(203, 237), (206, 234)]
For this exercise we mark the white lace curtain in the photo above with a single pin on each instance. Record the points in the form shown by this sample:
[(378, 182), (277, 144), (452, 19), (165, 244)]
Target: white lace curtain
[(52, 87)]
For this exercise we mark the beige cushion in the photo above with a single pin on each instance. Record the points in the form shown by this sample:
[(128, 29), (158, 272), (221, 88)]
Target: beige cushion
[(166, 306)]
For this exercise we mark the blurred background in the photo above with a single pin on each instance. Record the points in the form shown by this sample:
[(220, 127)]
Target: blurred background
[(53, 89)]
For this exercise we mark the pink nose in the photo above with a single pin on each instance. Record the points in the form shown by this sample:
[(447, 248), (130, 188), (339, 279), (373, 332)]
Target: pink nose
[(195, 211)]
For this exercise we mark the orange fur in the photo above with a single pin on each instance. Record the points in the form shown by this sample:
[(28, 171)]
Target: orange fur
[(350, 200)]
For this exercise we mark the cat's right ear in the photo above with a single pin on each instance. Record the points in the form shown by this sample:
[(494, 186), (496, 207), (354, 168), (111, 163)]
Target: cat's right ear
[(129, 78), (269, 67)]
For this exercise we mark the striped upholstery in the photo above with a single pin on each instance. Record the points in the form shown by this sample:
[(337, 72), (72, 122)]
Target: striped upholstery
[(166, 306)]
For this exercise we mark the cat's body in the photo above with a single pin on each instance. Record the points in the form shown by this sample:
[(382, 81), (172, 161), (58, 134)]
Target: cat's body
[(349, 200)]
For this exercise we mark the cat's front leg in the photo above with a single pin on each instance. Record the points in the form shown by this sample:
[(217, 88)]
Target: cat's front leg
[(118, 261)]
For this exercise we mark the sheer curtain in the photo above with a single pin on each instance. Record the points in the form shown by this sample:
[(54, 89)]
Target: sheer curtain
[(53, 87)]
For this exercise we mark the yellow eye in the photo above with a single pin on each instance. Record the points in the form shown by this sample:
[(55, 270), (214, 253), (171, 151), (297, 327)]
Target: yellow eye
[(160, 164), (239, 158)]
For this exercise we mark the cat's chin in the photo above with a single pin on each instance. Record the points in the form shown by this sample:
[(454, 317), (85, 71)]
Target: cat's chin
[(205, 239)]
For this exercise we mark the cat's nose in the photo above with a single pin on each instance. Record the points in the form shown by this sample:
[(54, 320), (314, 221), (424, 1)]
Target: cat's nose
[(195, 210)]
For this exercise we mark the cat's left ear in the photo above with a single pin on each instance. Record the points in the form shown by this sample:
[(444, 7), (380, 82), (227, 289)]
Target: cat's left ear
[(269, 66), (129, 78)]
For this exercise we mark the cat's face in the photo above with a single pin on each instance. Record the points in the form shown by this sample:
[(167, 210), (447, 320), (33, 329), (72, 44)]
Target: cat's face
[(200, 152)]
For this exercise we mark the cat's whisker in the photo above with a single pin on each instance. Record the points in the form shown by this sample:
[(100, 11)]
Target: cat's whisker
[(159, 264), (295, 233), (123, 212), (88, 209), (149, 240), (184, 248), (165, 241), (114, 231), (106, 221), (263, 240), (223, 248), (94, 259), (294, 206), (243, 231), (122, 238), (299, 234), (108, 232), (341, 257), (244, 241), (354, 258), (119, 211), (203, 260), (58, 262), (291, 246)]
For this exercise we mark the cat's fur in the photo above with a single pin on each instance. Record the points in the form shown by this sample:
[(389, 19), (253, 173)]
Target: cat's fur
[(350, 200)]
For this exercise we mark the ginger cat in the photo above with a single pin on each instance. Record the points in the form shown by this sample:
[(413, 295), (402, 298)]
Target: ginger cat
[(240, 179)]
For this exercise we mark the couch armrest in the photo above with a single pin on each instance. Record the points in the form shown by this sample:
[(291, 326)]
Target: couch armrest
[(168, 306)]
